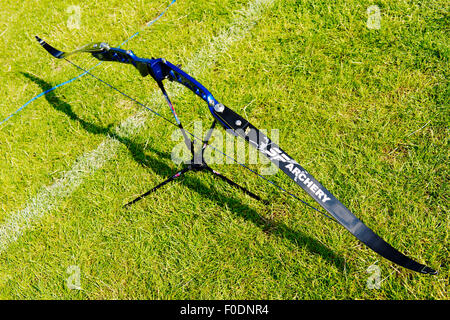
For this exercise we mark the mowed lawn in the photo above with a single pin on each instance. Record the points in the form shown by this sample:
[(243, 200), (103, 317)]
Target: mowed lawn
[(357, 91)]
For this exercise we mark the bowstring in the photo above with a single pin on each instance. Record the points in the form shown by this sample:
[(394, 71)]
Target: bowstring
[(197, 138)]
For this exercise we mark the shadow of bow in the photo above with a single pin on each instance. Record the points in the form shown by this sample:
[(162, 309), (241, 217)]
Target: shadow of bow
[(138, 152)]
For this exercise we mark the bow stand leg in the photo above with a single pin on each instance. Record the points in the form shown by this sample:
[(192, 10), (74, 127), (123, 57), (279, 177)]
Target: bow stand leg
[(142, 196), (189, 142)]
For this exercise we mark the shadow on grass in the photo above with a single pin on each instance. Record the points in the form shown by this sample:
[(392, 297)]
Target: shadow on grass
[(138, 152)]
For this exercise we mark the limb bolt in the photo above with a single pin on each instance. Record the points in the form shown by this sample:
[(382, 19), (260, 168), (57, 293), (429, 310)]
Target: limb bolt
[(219, 107)]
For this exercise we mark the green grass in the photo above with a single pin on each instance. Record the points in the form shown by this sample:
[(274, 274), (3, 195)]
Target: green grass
[(365, 111)]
